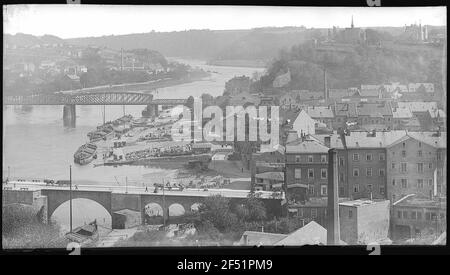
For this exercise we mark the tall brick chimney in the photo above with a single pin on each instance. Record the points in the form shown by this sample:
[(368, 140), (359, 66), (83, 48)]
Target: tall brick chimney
[(333, 235)]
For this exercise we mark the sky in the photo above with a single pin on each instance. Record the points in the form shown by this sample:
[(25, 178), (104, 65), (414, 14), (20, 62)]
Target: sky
[(70, 21)]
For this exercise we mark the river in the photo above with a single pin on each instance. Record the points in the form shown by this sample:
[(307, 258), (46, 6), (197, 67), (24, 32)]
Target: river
[(37, 145)]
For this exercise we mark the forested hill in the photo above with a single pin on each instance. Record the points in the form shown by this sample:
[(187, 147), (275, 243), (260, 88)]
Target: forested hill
[(353, 65)]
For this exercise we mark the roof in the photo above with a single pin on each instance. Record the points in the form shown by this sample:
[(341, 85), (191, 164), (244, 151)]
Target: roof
[(308, 145), (73, 77), (311, 234), (339, 93), (360, 139), (418, 106), (345, 109), (414, 201), (402, 113), (361, 202), (319, 112), (278, 176), (437, 112), (261, 238), (201, 145), (374, 109), (429, 138)]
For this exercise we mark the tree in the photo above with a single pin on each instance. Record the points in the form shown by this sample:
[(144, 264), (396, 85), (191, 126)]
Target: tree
[(216, 209)]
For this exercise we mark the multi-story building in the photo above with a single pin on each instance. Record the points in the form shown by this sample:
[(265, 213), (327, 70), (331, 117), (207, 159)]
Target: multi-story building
[(306, 168), (267, 169), (375, 115), (416, 165), (323, 114)]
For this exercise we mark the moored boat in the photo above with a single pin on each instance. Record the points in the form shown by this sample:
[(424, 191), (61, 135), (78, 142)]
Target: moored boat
[(85, 154), (84, 234)]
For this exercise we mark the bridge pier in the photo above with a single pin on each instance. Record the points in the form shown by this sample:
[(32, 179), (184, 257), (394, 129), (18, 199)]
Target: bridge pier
[(69, 115), (151, 111)]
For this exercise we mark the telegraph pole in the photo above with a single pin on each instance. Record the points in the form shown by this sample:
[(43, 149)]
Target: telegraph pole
[(164, 204)]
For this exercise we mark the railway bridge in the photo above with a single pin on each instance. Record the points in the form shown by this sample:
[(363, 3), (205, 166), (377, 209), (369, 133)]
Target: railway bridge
[(132, 198), (70, 100)]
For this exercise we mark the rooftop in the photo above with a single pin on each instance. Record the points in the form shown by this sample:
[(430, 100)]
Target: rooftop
[(319, 112), (307, 145), (360, 202)]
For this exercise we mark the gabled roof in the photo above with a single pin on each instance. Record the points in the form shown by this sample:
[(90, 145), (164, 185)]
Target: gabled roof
[(345, 109), (374, 109), (417, 106), (278, 176), (308, 145), (425, 137), (260, 238), (402, 113), (310, 234), (320, 112)]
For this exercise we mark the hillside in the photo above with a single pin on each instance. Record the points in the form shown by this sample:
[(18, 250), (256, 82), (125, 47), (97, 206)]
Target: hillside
[(26, 40), (353, 65)]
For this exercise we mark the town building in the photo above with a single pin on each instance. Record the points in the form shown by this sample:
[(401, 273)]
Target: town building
[(416, 217), (364, 221), (323, 114), (375, 115), (267, 169), (304, 124), (416, 165), (421, 87)]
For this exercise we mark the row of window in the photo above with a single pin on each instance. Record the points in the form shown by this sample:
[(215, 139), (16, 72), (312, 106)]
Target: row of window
[(420, 183), (419, 167), (323, 190), (310, 175), (310, 159), (416, 215), (356, 189), (369, 172), (369, 157)]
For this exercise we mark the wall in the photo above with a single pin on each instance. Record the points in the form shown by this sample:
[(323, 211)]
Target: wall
[(373, 222), (348, 226)]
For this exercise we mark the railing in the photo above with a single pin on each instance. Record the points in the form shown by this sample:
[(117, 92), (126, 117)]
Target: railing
[(95, 98)]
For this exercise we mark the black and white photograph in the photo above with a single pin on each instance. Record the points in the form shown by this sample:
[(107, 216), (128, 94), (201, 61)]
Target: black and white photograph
[(151, 126)]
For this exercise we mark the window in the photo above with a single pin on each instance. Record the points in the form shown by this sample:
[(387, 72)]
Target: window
[(323, 158), (403, 167), (393, 198), (404, 183), (311, 173), (382, 190), (323, 173), (419, 153), (313, 212), (404, 153), (311, 189), (393, 182), (369, 157), (439, 172), (420, 144), (405, 214), (430, 182), (438, 155), (350, 214), (420, 183), (420, 168), (356, 188), (413, 215), (323, 190), (310, 158), (382, 156), (341, 176), (399, 214), (298, 173), (368, 172), (393, 165), (404, 145), (341, 161), (419, 215), (381, 173), (355, 157), (369, 187), (428, 216), (355, 172), (297, 158), (430, 165)]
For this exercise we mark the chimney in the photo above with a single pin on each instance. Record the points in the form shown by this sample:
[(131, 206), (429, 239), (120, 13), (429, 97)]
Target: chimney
[(333, 236)]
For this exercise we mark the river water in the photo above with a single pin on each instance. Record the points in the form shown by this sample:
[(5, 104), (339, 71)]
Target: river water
[(37, 145)]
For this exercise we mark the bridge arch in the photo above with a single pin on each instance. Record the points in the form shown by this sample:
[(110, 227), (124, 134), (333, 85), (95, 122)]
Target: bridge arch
[(196, 206), (176, 210), (153, 209), (84, 211)]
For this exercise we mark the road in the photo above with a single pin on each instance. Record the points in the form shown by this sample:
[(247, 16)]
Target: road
[(194, 192)]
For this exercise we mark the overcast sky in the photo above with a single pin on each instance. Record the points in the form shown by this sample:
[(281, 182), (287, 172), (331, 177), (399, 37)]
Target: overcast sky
[(69, 21)]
